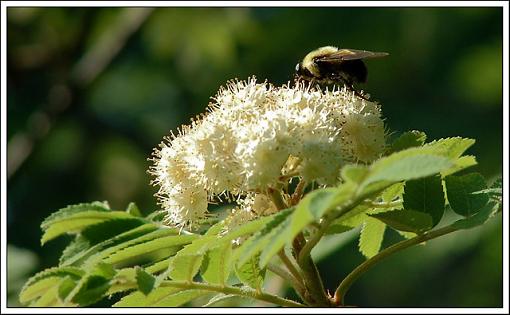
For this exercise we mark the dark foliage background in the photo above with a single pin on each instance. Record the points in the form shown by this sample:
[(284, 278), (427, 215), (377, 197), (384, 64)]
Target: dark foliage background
[(92, 90)]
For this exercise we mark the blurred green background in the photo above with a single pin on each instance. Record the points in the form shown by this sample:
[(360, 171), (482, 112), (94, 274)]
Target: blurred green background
[(92, 90)]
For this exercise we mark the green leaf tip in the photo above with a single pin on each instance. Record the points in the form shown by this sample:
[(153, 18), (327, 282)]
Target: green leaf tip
[(409, 139), (144, 280)]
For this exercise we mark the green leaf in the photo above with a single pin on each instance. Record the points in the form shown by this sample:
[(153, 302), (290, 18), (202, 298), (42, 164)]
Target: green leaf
[(417, 162), (245, 229), (312, 208), (217, 264), (353, 218), (133, 210), (284, 226), (93, 286), (74, 209), (157, 216), (406, 165), (78, 246), (37, 285), (99, 251), (93, 289), (425, 195), (217, 299), (124, 280), (459, 190), (107, 229), (49, 298), (263, 238), (158, 266), (460, 164), (186, 263), (354, 173), (144, 280), (393, 192), (498, 184), (160, 297), (251, 274), (135, 252), (495, 191), (319, 202), (371, 237), (406, 220), (77, 254), (337, 228), (452, 148), (74, 219), (409, 139), (408, 235), (38, 289), (479, 218), (65, 287)]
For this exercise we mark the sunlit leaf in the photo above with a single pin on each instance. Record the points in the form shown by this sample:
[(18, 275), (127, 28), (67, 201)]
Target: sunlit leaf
[(93, 286), (371, 237), (37, 285), (251, 274), (460, 164), (74, 219), (96, 253), (221, 298), (217, 264), (186, 263), (133, 210), (144, 280), (160, 297), (265, 237)]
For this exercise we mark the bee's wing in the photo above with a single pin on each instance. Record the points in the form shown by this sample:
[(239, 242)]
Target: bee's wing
[(350, 54)]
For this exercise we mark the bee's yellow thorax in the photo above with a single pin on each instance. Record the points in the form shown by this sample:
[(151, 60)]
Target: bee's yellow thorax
[(308, 61)]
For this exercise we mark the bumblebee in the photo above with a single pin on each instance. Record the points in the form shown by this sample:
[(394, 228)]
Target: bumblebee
[(330, 65)]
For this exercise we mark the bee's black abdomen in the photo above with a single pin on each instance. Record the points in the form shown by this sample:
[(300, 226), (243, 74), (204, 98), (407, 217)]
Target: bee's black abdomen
[(350, 71), (356, 69)]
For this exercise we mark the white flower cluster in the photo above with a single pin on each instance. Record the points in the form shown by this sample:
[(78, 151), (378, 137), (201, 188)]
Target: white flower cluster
[(254, 133)]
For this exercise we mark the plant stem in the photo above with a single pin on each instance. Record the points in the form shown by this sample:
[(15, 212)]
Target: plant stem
[(316, 295), (277, 198), (313, 282), (251, 293), (316, 237), (298, 286), (298, 192), (290, 266), (315, 292), (369, 263), (288, 176), (390, 204), (326, 222)]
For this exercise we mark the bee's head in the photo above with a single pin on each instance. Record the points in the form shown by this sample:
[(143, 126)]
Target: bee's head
[(302, 72)]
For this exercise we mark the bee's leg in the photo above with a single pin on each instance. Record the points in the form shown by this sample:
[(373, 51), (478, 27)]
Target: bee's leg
[(350, 86), (365, 97)]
